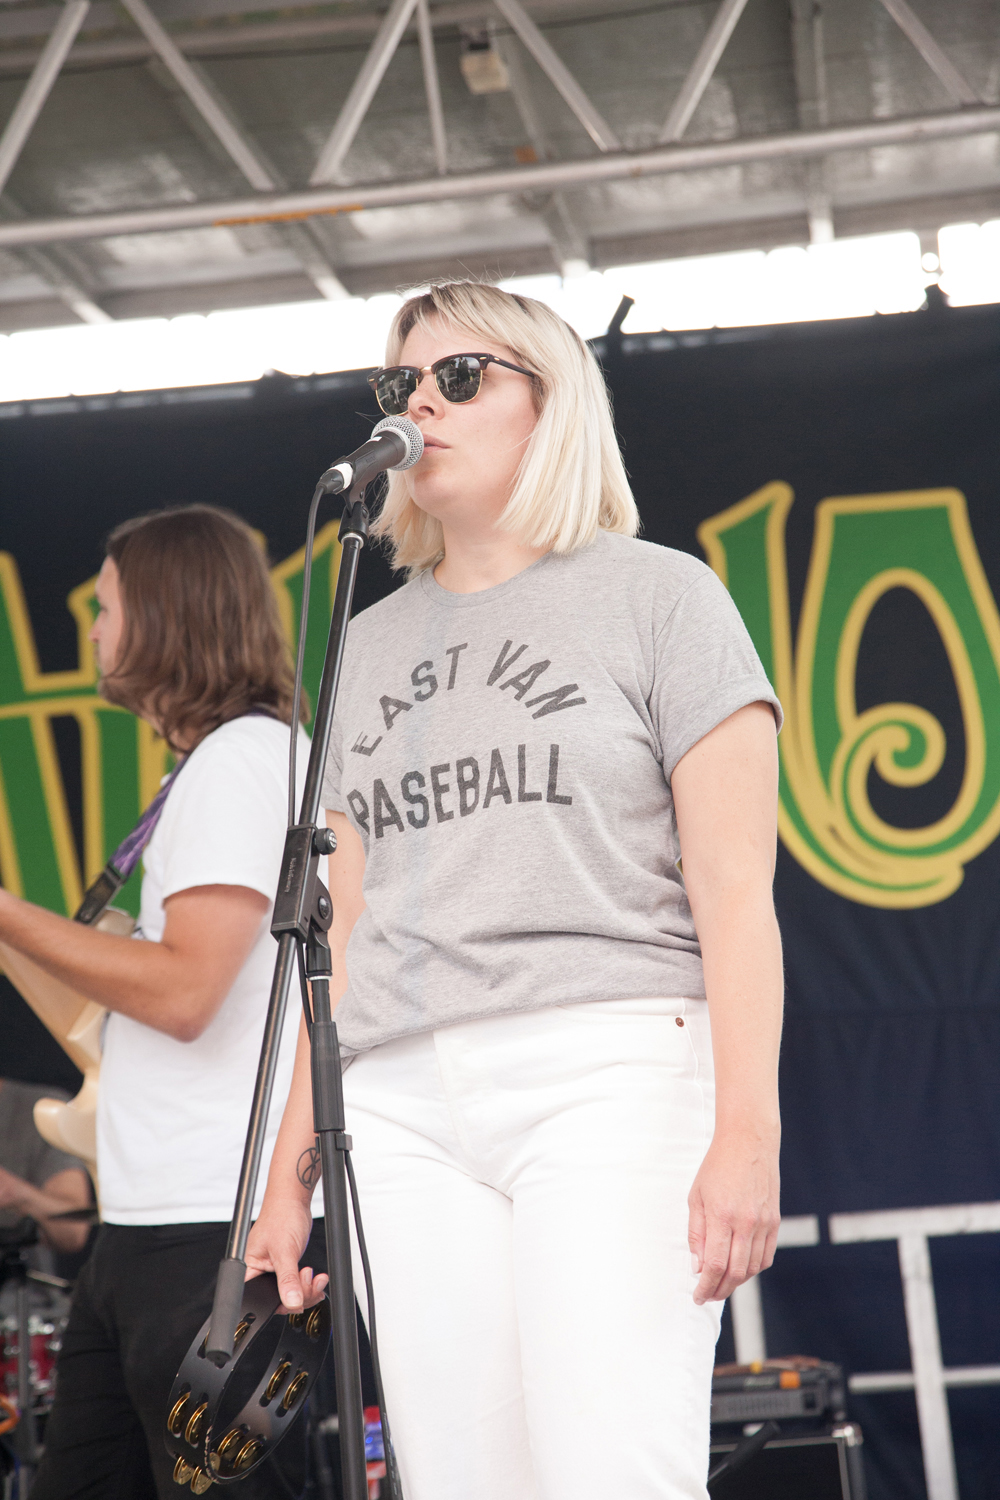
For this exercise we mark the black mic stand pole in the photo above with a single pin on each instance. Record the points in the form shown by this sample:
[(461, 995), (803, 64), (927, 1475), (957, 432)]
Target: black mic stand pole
[(302, 915)]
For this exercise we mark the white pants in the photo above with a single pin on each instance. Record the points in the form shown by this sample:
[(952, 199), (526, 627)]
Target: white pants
[(523, 1185)]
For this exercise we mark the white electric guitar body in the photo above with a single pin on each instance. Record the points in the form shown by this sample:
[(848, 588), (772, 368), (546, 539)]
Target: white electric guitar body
[(76, 1024)]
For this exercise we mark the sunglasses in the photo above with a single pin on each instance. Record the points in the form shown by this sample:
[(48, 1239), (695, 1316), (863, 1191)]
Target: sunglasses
[(458, 378)]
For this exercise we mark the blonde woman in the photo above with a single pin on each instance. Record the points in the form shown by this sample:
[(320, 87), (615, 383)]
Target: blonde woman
[(559, 1185)]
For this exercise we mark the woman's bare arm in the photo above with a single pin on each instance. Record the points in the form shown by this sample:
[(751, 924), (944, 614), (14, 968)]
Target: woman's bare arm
[(725, 792)]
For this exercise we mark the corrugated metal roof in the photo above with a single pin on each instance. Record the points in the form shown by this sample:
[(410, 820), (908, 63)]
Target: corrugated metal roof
[(119, 132)]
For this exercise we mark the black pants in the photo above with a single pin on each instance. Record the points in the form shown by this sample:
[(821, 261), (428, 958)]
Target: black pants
[(139, 1302)]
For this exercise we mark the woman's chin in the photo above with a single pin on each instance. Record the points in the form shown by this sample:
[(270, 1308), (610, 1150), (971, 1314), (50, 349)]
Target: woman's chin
[(433, 503)]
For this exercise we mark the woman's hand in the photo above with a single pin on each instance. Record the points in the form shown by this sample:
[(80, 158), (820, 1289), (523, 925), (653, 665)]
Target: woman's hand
[(726, 796), (276, 1242), (734, 1217)]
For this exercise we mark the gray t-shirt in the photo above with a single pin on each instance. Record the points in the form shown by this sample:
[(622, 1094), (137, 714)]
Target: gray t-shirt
[(508, 762)]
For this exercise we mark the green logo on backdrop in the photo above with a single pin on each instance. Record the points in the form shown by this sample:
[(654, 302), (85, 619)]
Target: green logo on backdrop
[(121, 759), (863, 546)]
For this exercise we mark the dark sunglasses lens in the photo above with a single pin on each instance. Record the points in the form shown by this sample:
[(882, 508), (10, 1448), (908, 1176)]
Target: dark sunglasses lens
[(459, 378), (393, 389)]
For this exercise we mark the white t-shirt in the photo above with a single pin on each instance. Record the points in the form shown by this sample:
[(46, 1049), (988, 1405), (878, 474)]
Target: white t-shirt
[(172, 1116)]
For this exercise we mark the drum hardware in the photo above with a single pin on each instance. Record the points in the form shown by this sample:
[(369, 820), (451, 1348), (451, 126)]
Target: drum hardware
[(43, 1345), (9, 1415), (222, 1422), (28, 1348)]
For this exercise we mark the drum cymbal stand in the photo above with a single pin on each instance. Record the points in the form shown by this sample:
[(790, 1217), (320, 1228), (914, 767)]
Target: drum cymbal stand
[(23, 1440)]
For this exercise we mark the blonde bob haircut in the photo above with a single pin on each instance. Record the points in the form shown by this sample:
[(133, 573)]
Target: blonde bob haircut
[(571, 482)]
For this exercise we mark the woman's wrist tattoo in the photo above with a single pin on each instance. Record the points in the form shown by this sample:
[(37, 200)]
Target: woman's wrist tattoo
[(308, 1168)]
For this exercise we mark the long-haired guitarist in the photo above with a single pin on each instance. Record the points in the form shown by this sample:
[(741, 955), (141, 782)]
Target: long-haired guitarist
[(188, 637)]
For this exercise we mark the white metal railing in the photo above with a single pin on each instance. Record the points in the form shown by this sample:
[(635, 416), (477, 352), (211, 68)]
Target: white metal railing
[(929, 1379)]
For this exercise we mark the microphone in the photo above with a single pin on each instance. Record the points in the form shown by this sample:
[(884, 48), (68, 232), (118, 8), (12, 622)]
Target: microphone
[(396, 443)]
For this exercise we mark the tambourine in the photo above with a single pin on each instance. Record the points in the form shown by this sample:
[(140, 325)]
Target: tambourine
[(222, 1424)]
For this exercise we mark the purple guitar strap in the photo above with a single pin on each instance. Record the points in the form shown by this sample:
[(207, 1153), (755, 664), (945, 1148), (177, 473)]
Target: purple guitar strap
[(122, 863)]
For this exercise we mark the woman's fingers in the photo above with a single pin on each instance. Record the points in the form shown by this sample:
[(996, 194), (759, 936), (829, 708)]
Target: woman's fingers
[(275, 1246), (762, 1251), (732, 1256), (293, 1284), (313, 1284), (733, 1223), (299, 1287), (715, 1262), (696, 1231)]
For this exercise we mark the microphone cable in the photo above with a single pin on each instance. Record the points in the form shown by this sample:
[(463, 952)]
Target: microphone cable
[(300, 654)]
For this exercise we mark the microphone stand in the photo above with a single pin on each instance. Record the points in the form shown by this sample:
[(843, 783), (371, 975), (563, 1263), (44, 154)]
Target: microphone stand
[(303, 912)]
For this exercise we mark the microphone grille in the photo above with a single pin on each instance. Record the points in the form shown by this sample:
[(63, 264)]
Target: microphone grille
[(411, 435)]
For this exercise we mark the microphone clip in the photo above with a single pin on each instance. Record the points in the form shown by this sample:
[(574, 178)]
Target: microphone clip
[(355, 520)]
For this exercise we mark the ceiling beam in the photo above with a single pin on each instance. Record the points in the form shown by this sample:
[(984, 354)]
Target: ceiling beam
[(198, 33), (809, 67), (16, 132), (306, 244), (933, 55), (61, 270), (559, 75), (568, 239), (241, 151), (362, 92), (700, 73), (809, 63), (218, 120), (67, 288), (610, 167), (263, 38), (432, 86), (38, 87)]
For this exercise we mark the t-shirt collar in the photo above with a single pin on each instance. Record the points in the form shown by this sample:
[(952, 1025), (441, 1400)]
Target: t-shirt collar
[(449, 600)]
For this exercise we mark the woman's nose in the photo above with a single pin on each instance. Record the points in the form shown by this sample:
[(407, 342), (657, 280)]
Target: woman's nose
[(426, 397)]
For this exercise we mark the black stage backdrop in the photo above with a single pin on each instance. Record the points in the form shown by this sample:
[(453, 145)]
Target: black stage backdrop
[(887, 883)]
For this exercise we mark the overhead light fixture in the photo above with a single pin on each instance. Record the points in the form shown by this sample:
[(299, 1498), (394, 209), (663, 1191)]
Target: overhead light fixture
[(482, 66)]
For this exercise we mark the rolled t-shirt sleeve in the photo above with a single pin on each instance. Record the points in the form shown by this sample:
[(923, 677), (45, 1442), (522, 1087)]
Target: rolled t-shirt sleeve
[(705, 669), (223, 823)]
